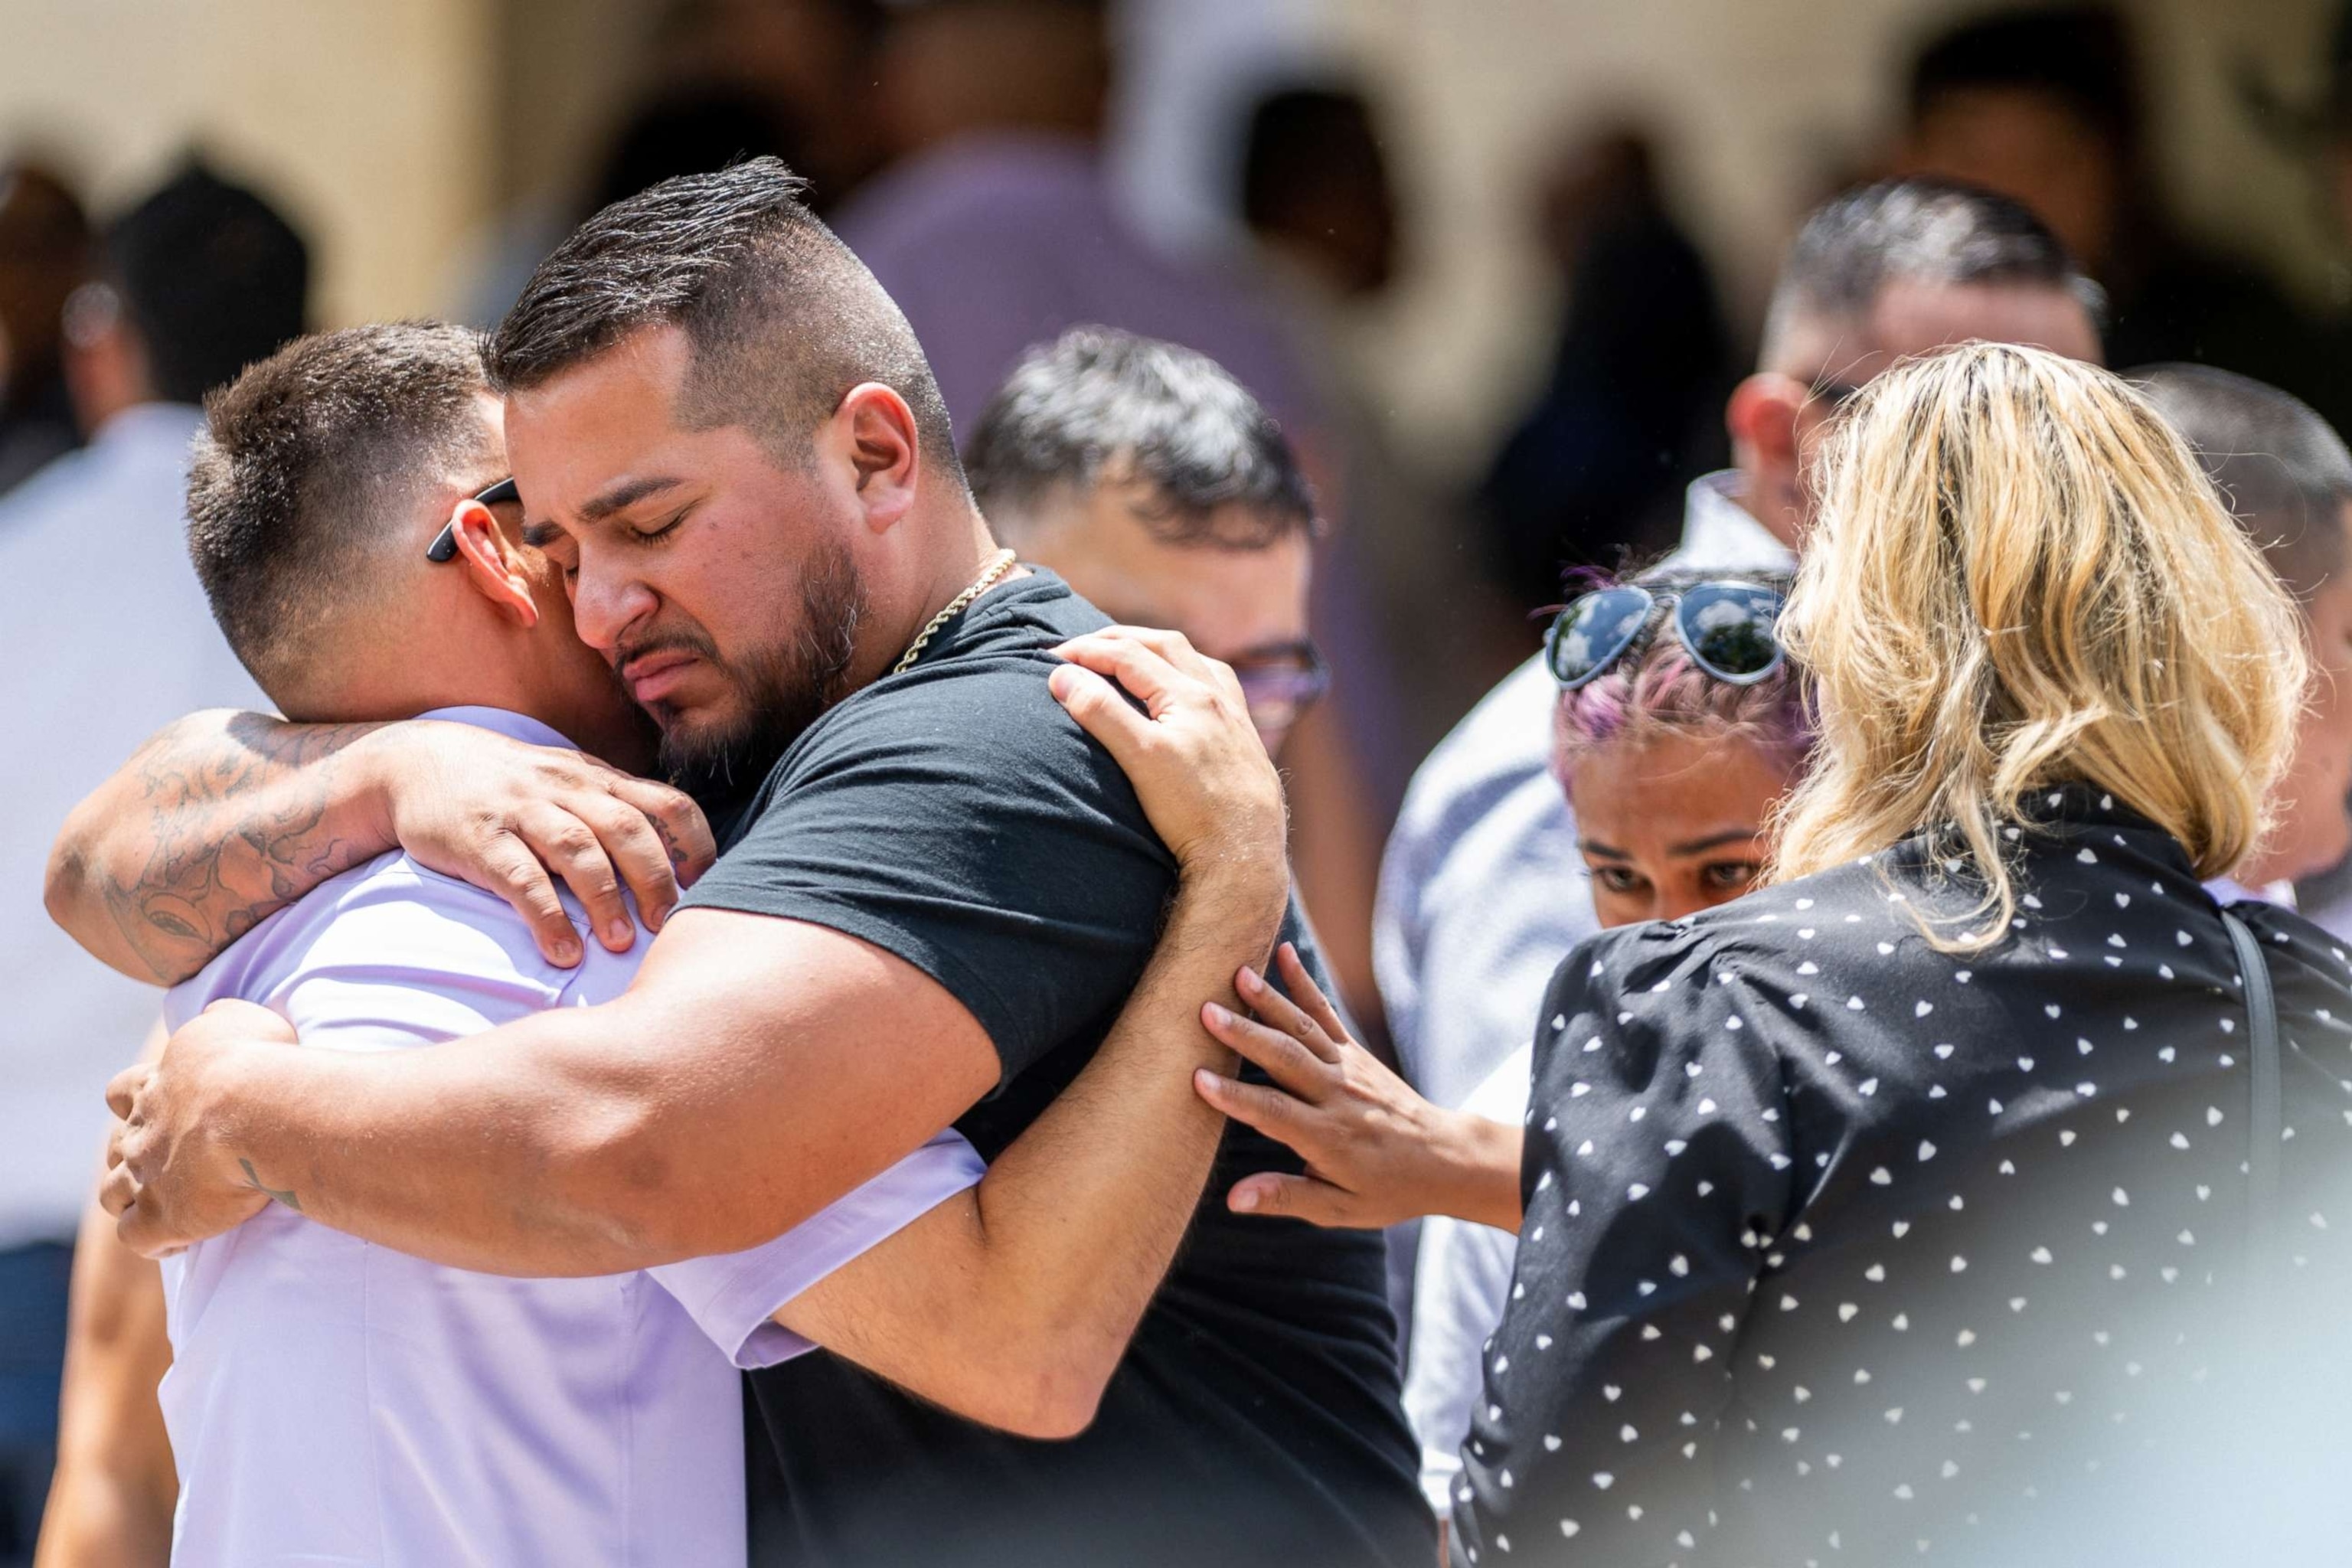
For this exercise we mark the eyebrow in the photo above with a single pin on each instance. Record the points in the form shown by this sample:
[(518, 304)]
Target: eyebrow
[(626, 493), (1696, 847), (1713, 841)]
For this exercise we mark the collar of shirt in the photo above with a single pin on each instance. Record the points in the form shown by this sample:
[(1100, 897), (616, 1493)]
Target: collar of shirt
[(506, 721), (1720, 534)]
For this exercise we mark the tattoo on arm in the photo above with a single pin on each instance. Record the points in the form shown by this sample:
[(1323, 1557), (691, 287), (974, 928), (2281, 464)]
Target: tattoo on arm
[(228, 827), (253, 1180)]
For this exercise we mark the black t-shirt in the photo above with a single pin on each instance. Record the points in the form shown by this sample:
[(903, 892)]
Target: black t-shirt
[(956, 816)]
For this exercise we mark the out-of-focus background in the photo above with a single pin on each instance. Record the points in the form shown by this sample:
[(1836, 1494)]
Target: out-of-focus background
[(1492, 263)]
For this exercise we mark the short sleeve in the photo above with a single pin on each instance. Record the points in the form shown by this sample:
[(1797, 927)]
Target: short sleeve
[(958, 818), (734, 1297), (1658, 1170)]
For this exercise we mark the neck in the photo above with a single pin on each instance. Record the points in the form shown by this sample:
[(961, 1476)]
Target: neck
[(956, 550)]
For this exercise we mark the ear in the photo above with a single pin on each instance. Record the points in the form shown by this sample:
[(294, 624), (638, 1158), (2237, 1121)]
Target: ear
[(885, 451), (490, 566), (1762, 415), (1762, 420)]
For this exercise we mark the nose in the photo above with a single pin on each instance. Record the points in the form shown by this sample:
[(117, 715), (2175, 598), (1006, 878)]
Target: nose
[(605, 602)]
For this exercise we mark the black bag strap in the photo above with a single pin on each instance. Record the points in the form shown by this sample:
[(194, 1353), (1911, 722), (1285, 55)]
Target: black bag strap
[(2269, 1112)]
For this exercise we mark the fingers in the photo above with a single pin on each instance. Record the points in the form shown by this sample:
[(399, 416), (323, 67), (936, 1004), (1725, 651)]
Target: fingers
[(1102, 713), (1271, 1194), (1143, 669), (509, 869), (683, 827), (1280, 1116), (118, 1191), (123, 1090), (570, 851), (1284, 1060), (1277, 1010), (1307, 995), (638, 854)]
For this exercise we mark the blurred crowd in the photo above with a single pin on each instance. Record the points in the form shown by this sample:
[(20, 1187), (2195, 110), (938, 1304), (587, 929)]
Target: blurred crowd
[(958, 147)]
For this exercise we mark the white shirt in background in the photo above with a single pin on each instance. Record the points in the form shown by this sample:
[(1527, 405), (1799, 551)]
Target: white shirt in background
[(331, 1401), (107, 638)]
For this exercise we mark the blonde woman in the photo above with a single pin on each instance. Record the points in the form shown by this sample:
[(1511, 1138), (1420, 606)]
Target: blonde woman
[(1867, 1215)]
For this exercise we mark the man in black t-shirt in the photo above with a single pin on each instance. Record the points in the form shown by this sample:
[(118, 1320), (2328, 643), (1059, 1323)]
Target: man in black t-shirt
[(933, 896)]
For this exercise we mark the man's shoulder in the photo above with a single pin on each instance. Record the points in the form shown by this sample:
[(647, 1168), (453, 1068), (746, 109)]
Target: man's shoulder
[(982, 694)]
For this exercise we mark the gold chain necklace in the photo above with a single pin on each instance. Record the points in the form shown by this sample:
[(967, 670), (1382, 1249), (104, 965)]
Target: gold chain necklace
[(980, 585)]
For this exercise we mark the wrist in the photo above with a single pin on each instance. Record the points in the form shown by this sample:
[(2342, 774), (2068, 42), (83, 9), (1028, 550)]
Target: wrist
[(1243, 901), (370, 785), (1481, 1170)]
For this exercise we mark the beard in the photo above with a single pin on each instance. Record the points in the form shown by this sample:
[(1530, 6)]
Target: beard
[(781, 689)]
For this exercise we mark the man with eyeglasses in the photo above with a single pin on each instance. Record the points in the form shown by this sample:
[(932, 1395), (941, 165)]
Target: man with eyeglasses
[(1159, 489)]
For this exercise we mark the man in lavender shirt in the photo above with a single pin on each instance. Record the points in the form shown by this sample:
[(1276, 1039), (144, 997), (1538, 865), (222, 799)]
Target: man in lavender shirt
[(336, 1401)]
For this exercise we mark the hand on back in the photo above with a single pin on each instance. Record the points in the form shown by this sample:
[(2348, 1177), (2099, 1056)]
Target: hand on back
[(1195, 759), (514, 819)]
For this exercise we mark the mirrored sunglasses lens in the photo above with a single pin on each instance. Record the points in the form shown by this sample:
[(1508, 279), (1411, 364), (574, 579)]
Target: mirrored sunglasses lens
[(1591, 632), (1729, 628)]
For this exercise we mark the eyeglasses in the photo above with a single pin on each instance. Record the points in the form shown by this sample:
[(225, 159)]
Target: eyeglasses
[(1280, 686), (445, 544), (1725, 626)]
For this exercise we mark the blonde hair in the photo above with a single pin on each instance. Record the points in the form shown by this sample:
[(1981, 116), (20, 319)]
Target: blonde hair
[(2020, 576)]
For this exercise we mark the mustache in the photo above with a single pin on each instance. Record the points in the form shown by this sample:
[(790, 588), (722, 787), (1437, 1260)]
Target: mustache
[(675, 639)]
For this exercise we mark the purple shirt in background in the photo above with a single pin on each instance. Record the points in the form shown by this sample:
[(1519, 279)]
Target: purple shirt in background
[(998, 241)]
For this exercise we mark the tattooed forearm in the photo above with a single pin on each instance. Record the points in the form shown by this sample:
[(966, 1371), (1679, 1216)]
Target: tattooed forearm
[(216, 823), (253, 1179)]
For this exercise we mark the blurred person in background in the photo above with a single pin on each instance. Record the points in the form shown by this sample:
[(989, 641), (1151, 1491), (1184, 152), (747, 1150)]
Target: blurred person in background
[(45, 254), (811, 63), (1402, 595), (1480, 891), (1884, 1205), (1595, 468), (995, 229), (1152, 483), (2045, 106), (2287, 479), (97, 596)]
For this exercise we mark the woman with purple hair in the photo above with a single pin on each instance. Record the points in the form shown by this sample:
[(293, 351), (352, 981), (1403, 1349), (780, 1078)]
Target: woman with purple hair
[(1679, 727)]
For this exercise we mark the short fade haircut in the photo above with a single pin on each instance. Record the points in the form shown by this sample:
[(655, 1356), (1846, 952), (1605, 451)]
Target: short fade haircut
[(1096, 403), (1916, 231), (2282, 470), (783, 320), (213, 277), (308, 467)]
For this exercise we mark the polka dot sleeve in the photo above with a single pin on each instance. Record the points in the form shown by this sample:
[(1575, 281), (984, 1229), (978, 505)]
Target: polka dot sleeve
[(1659, 1171)]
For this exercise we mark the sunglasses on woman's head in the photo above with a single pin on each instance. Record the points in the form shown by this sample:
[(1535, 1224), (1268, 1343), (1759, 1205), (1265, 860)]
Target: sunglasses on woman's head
[(1726, 627)]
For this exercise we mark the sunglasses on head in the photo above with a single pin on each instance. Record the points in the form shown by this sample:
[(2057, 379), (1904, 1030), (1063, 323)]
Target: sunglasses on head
[(445, 544), (1726, 627)]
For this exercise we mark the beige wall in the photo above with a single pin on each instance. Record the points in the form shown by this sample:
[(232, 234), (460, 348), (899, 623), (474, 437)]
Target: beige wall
[(368, 121), (1762, 101)]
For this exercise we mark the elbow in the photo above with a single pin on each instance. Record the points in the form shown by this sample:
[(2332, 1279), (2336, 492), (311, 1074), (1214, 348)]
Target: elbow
[(1050, 1387), (620, 1187), (1049, 1402)]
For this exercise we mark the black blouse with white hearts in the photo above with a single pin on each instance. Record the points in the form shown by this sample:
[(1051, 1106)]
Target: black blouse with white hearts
[(1842, 1248)]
